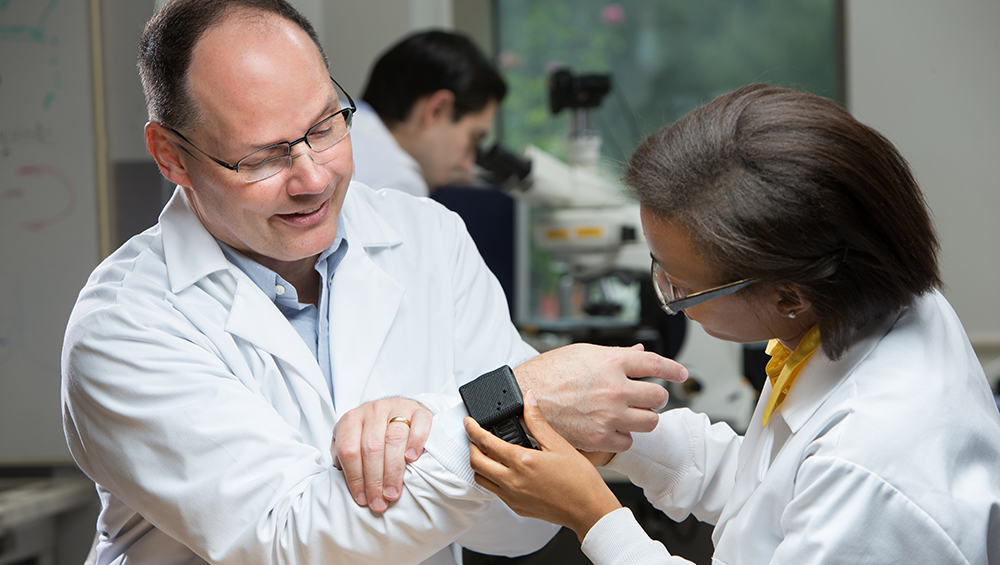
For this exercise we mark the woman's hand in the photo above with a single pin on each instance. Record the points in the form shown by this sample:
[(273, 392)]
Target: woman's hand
[(556, 483), (373, 452)]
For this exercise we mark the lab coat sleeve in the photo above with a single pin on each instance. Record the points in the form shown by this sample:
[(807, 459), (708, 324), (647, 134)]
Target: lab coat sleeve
[(154, 414), (500, 531), (842, 513), (618, 539), (687, 465)]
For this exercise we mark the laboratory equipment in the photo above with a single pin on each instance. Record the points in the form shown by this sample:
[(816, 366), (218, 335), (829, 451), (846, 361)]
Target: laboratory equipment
[(582, 264)]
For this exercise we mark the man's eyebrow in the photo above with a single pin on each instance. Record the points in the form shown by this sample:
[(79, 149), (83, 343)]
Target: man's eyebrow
[(332, 107)]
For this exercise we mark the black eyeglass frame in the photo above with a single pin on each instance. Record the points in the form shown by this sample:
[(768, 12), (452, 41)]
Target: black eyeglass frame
[(674, 307), (346, 112)]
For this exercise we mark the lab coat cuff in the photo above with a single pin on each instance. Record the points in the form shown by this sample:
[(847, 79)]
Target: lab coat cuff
[(449, 444), (618, 539), (661, 457), (437, 403)]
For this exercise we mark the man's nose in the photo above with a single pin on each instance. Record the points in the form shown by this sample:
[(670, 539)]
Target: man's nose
[(308, 176), (468, 159)]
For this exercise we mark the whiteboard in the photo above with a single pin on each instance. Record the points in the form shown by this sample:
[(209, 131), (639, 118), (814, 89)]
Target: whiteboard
[(48, 213)]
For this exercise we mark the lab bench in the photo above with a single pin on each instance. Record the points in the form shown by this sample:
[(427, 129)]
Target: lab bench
[(32, 512)]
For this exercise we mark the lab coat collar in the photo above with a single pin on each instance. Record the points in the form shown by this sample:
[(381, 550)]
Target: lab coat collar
[(364, 226), (189, 250), (821, 376)]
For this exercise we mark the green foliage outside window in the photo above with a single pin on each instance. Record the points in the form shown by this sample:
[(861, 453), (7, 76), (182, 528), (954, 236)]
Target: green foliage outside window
[(665, 58)]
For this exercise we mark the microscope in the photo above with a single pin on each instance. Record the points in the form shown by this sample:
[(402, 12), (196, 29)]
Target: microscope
[(582, 261), (582, 267)]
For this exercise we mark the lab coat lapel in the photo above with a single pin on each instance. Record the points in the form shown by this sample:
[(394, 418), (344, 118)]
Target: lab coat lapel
[(363, 305), (256, 319), (754, 458), (364, 300), (192, 254)]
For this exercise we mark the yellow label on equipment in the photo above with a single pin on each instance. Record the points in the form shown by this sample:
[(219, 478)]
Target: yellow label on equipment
[(561, 234), (589, 232)]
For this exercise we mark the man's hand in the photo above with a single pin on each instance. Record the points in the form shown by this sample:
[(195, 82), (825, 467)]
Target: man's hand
[(589, 396), (373, 452)]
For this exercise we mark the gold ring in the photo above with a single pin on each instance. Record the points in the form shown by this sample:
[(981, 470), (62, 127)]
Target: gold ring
[(399, 419)]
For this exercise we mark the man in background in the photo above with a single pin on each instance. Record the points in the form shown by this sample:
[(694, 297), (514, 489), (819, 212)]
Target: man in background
[(429, 102)]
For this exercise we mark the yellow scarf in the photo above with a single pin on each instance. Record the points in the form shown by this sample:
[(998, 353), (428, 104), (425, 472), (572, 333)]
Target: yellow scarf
[(785, 365)]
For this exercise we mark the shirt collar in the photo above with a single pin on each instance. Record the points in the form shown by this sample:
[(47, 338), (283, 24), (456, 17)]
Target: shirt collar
[(271, 283)]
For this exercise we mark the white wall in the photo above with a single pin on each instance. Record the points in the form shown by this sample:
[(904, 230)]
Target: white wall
[(355, 33), (926, 73), (123, 21)]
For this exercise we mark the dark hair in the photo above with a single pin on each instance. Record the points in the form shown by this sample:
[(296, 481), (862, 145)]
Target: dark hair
[(168, 41), (789, 188), (426, 62)]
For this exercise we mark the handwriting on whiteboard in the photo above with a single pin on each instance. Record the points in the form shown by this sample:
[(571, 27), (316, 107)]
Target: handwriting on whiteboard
[(41, 197)]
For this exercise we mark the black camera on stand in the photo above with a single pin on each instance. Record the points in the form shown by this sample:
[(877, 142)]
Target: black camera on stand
[(581, 94), (581, 91)]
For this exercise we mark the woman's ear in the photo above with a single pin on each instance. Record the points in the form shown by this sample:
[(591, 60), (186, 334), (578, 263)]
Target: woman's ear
[(167, 154), (792, 301)]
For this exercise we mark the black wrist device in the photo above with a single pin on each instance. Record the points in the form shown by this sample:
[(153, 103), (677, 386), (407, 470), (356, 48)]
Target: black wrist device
[(494, 401)]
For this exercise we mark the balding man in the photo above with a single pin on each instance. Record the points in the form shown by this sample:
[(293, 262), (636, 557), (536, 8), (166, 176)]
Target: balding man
[(208, 361)]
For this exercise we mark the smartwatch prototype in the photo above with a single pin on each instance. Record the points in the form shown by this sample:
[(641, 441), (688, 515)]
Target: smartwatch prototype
[(494, 401)]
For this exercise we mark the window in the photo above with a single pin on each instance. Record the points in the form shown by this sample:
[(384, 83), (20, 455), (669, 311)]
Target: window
[(665, 57)]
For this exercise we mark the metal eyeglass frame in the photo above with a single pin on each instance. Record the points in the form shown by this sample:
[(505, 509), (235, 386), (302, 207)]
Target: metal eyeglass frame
[(676, 306), (346, 112)]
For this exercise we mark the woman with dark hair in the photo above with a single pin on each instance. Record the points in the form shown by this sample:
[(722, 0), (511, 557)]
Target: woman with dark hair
[(774, 215)]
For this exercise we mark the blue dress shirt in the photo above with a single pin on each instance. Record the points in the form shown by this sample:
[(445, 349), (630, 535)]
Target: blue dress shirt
[(311, 322)]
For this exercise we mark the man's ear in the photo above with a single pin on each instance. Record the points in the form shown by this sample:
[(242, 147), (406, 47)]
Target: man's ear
[(438, 108), (166, 153)]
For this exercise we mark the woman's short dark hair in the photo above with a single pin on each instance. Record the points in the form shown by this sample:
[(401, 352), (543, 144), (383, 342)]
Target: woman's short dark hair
[(426, 62), (168, 41), (789, 188)]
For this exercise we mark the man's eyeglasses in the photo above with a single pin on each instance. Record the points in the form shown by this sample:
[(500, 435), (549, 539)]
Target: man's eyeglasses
[(674, 300), (273, 159)]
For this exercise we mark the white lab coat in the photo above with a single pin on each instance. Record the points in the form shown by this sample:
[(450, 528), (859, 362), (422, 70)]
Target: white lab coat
[(206, 422), (889, 455), (379, 160)]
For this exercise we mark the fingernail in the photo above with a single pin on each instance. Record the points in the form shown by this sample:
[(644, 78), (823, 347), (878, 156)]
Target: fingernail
[(411, 454), (530, 397), (379, 505), (362, 499), (391, 493)]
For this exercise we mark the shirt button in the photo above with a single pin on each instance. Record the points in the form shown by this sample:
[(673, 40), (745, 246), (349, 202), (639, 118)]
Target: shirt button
[(279, 290), (331, 280)]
